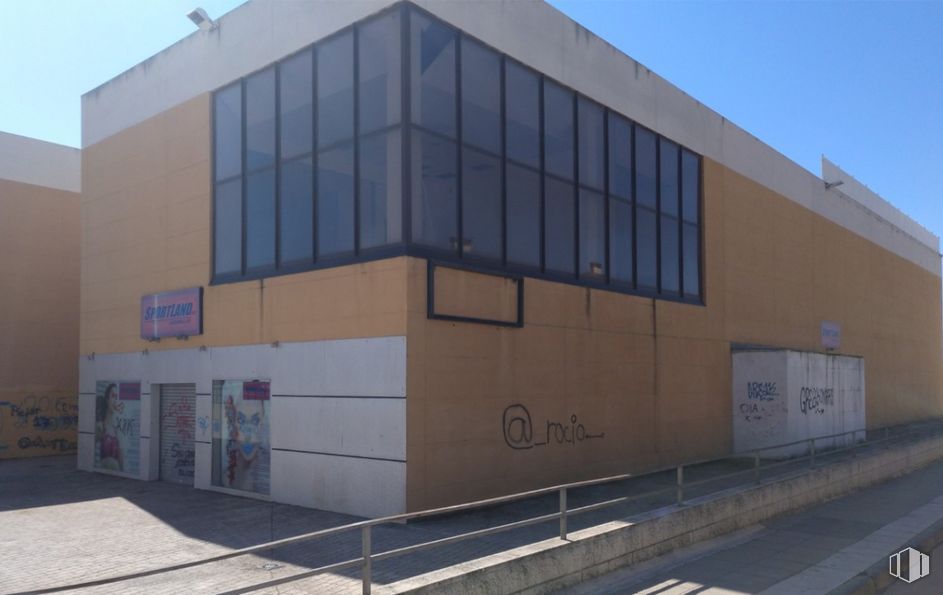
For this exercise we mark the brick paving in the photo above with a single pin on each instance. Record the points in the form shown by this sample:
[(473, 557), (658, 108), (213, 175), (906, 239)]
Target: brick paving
[(60, 526)]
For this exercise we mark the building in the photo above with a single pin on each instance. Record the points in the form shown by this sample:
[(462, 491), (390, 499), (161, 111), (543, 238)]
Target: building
[(39, 265), (373, 257)]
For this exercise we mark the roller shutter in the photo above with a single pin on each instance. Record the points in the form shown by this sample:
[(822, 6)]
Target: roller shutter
[(177, 427)]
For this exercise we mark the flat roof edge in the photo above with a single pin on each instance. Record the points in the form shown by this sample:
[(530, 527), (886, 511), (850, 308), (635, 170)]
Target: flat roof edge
[(40, 163)]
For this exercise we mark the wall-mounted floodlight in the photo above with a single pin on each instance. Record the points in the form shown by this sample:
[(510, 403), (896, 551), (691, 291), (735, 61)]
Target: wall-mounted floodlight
[(201, 19), (830, 185)]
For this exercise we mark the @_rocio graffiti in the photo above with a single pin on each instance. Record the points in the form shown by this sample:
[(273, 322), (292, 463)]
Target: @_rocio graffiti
[(117, 426), (242, 448)]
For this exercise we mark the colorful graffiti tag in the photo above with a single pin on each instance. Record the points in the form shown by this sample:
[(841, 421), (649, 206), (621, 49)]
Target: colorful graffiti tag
[(241, 435), (118, 426)]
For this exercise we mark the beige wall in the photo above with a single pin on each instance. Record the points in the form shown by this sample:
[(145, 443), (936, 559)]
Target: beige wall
[(39, 265), (654, 376), (146, 222)]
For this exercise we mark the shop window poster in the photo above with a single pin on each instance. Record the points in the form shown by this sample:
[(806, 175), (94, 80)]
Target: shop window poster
[(118, 426), (241, 448)]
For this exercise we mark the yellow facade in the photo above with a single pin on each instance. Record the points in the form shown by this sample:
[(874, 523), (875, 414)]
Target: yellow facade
[(648, 381)]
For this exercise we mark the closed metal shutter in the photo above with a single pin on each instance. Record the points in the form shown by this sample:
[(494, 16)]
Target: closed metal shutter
[(177, 427)]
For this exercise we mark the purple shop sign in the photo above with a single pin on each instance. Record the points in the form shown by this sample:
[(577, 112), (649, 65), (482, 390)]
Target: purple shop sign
[(255, 390), (831, 334), (172, 313)]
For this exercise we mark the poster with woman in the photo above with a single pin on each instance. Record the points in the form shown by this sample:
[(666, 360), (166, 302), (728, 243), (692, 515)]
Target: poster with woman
[(241, 435), (117, 426)]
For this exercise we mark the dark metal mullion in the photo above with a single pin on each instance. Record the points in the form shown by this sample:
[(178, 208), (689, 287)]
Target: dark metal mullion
[(633, 205), (315, 155), (576, 184), (356, 42), (459, 194), (658, 214), (278, 164), (680, 226), (244, 149), (543, 184), (502, 90), (405, 127), (605, 193), (700, 230), (215, 186)]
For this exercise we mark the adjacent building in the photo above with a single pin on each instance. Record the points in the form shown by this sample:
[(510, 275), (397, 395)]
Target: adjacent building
[(39, 265), (374, 257)]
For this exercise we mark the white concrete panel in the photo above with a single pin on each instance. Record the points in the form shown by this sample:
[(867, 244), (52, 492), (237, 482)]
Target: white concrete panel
[(203, 472), (351, 367), (759, 400), (86, 412), (85, 458), (242, 362), (37, 162), (148, 466), (204, 418), (363, 487), (86, 374), (347, 426), (180, 366)]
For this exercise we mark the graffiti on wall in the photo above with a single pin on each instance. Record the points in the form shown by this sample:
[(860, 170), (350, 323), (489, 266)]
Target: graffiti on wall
[(177, 429), (521, 434), (241, 435), (754, 408), (33, 425), (117, 426), (816, 400)]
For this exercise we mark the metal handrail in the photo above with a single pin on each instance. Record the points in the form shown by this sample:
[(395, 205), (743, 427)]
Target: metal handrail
[(367, 557)]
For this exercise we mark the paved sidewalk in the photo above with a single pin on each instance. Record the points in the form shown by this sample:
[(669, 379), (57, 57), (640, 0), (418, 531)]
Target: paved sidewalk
[(810, 552)]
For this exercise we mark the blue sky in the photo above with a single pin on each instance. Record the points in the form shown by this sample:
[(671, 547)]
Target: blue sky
[(861, 82)]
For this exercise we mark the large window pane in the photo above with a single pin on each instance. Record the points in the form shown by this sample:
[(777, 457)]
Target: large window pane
[(260, 219), (668, 174), (558, 130), (381, 207), (647, 251), (227, 232), (296, 211), (241, 443), (481, 96), (481, 204), (670, 256), (522, 100), (620, 157), (228, 127), (434, 186), (296, 106), (336, 90), (523, 216), (592, 142), (645, 167), (691, 261), (592, 235), (260, 120), (432, 58), (380, 72), (560, 230), (690, 182), (336, 200), (620, 241)]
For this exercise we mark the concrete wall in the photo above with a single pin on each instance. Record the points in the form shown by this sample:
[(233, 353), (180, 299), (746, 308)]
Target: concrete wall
[(786, 396), (39, 265)]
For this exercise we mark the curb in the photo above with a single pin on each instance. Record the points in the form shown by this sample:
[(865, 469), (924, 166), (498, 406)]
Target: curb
[(876, 578)]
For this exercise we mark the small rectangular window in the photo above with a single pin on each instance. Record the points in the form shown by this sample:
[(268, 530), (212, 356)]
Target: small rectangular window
[(620, 157), (381, 206), (260, 120), (592, 144), (481, 205), (558, 130), (647, 250), (592, 235), (691, 261), (336, 90), (336, 201), (620, 241), (228, 128), (645, 166), (379, 65), (260, 219), (560, 229), (435, 192), (296, 105), (670, 240), (522, 101), (523, 216), (481, 96), (227, 232), (690, 186), (296, 211), (432, 60)]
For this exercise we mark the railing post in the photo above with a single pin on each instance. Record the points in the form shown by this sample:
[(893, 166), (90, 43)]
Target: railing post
[(756, 466), (366, 574), (854, 443), (887, 435), (812, 450), (563, 514), (680, 484)]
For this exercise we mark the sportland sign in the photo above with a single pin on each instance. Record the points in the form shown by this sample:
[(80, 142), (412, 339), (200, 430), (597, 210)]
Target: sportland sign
[(172, 314)]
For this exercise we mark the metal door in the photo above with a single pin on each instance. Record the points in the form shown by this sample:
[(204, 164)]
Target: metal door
[(177, 427)]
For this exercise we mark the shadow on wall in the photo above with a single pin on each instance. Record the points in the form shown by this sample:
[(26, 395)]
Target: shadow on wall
[(34, 425)]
